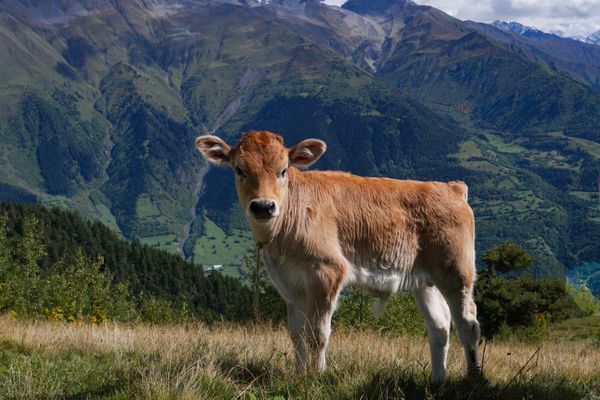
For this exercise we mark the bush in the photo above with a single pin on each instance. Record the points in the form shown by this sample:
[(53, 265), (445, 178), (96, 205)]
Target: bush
[(156, 311), (39, 245), (521, 302), (19, 270), (401, 316), (79, 290), (76, 289), (585, 300), (506, 257)]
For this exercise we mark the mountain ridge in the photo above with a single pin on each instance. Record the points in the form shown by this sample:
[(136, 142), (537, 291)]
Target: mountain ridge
[(535, 33)]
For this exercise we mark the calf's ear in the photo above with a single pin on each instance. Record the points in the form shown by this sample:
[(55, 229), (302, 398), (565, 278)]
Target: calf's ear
[(215, 150), (307, 152)]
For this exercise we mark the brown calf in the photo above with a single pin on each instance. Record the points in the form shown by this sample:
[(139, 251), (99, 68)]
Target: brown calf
[(322, 230)]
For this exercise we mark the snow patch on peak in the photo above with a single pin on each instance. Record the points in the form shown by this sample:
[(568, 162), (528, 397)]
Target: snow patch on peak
[(527, 31), (515, 27), (594, 38)]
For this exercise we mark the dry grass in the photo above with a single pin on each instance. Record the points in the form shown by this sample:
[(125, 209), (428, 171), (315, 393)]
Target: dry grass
[(49, 360)]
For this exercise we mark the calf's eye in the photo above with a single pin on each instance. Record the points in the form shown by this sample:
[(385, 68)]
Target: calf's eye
[(240, 173), (283, 173)]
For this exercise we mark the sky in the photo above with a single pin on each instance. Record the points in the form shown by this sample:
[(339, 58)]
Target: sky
[(572, 17)]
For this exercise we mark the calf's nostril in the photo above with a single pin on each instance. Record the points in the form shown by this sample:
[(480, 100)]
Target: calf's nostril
[(255, 207), (262, 207)]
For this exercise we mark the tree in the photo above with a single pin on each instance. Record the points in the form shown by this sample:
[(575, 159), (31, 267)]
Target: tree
[(521, 302), (506, 257), (19, 267)]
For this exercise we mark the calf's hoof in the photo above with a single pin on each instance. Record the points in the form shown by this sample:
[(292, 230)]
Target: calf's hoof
[(475, 373)]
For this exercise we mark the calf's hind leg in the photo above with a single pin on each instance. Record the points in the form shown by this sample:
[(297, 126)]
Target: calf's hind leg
[(435, 310), (459, 296)]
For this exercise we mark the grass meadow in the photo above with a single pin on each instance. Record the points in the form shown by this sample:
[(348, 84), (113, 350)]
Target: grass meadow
[(44, 360)]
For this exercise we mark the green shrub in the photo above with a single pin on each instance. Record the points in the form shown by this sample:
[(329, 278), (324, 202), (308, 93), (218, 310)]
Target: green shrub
[(142, 269), (159, 311), (521, 302), (55, 265), (585, 300), (75, 289), (506, 257), (19, 270), (79, 289), (401, 315)]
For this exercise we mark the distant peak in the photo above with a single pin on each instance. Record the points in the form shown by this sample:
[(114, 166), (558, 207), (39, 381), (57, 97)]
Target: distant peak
[(514, 27), (292, 3), (524, 30), (594, 38), (375, 6)]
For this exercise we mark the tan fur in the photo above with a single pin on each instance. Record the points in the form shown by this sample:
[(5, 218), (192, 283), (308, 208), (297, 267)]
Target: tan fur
[(335, 228)]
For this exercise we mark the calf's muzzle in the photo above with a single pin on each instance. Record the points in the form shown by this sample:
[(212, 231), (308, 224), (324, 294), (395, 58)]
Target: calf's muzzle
[(263, 209)]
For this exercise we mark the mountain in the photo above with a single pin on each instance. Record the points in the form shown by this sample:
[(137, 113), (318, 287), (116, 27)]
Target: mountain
[(426, 50), (131, 87), (594, 38), (527, 31), (102, 100), (534, 33), (566, 56)]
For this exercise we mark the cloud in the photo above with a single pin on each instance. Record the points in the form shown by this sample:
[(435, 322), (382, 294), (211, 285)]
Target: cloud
[(573, 17)]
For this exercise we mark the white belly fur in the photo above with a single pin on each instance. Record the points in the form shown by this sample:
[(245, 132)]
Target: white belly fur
[(381, 282)]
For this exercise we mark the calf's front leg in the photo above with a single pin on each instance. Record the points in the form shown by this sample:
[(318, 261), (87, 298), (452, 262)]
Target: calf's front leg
[(318, 332), (321, 299), (297, 323), (309, 331)]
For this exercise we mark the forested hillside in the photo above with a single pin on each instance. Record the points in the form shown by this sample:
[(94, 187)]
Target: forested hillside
[(155, 284)]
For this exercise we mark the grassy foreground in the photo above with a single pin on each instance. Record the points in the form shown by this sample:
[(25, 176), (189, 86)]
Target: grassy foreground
[(71, 361)]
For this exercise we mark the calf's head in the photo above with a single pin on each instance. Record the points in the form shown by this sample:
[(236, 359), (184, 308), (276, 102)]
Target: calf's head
[(260, 162)]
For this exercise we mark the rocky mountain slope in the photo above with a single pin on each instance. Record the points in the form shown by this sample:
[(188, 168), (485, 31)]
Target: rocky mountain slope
[(579, 60)]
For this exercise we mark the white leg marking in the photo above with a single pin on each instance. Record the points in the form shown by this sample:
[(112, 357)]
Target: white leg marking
[(319, 331), (435, 310), (297, 326), (464, 315)]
